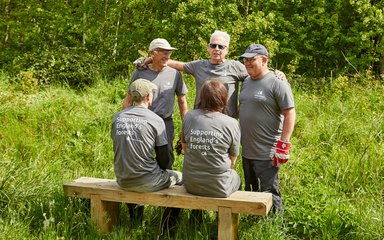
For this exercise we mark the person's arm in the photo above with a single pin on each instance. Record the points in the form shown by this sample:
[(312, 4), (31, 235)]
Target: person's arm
[(163, 156), (283, 145), (127, 101), (280, 75), (233, 161), (184, 147), (288, 124), (183, 143), (183, 106), (176, 65)]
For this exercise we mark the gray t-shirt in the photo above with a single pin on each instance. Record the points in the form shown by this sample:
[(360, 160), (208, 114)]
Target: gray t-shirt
[(210, 137), (230, 73), (261, 119), (169, 82), (135, 132)]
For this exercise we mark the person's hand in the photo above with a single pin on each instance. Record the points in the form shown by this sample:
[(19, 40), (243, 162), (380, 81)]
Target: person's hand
[(142, 63), (280, 75), (281, 155), (179, 147)]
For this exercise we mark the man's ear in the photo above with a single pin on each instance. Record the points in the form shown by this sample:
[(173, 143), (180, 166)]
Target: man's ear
[(149, 100), (265, 59)]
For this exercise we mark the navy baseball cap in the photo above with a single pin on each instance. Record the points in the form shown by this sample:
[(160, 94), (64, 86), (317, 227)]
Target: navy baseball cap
[(254, 50)]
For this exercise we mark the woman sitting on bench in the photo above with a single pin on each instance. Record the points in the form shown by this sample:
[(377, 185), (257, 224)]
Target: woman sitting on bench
[(211, 142)]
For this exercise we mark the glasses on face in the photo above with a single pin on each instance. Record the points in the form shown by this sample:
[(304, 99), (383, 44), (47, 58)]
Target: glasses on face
[(214, 45), (251, 60)]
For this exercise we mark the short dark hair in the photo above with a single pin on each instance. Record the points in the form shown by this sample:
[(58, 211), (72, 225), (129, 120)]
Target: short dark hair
[(213, 96)]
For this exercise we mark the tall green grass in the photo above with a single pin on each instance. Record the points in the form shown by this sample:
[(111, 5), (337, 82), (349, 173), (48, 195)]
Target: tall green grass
[(333, 185)]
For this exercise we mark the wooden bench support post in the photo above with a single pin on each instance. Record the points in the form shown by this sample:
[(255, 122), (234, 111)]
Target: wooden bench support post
[(104, 214), (106, 196), (228, 224)]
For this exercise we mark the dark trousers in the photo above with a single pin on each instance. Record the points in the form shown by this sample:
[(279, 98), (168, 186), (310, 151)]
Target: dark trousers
[(262, 176), (170, 215), (169, 128)]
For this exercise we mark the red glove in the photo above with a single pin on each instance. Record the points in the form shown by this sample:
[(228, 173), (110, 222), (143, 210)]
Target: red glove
[(281, 155)]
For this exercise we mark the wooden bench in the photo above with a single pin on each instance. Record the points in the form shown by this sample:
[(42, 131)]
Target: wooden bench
[(106, 196)]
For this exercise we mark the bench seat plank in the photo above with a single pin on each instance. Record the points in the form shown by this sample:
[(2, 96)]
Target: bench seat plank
[(243, 202), (106, 195)]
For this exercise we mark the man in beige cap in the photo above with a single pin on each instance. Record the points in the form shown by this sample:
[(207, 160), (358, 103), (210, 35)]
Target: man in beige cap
[(137, 134), (169, 83)]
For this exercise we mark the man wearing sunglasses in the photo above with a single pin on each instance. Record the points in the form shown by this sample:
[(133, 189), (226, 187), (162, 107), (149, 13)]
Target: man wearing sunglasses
[(230, 72)]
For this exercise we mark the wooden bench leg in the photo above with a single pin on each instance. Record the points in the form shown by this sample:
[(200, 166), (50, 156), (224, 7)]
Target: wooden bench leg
[(105, 214), (228, 224)]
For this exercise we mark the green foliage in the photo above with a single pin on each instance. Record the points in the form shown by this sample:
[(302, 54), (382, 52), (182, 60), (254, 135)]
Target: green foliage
[(332, 186), (72, 67), (66, 40), (28, 82)]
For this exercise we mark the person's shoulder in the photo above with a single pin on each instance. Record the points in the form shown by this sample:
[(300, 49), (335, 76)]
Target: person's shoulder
[(229, 121), (140, 74), (152, 114), (247, 80), (170, 69), (152, 118), (234, 62), (278, 84), (270, 75), (116, 116), (192, 112), (198, 62), (275, 80), (121, 115)]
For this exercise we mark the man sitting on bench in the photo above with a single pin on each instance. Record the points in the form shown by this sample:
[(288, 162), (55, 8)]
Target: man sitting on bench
[(138, 133)]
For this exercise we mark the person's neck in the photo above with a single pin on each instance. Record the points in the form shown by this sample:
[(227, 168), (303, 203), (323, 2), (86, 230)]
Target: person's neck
[(156, 68), (142, 104), (261, 74), (217, 62)]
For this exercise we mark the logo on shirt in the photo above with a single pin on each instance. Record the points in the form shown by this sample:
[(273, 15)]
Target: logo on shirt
[(259, 95), (167, 85)]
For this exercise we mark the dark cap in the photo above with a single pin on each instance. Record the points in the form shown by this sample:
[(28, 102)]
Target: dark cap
[(254, 50)]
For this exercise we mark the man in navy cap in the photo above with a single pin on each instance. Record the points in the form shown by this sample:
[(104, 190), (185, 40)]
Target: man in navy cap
[(267, 117)]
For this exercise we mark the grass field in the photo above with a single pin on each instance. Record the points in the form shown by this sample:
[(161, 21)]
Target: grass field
[(333, 185)]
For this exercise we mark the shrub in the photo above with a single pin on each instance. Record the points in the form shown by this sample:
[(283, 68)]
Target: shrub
[(68, 66)]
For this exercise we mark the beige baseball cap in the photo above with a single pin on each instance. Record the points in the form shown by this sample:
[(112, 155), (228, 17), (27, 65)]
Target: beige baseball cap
[(141, 88), (160, 43)]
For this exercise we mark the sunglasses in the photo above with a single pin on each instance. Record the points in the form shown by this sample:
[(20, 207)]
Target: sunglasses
[(214, 45)]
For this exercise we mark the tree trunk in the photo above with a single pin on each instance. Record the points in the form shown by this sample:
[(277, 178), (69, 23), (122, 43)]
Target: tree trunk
[(116, 37), (84, 24)]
